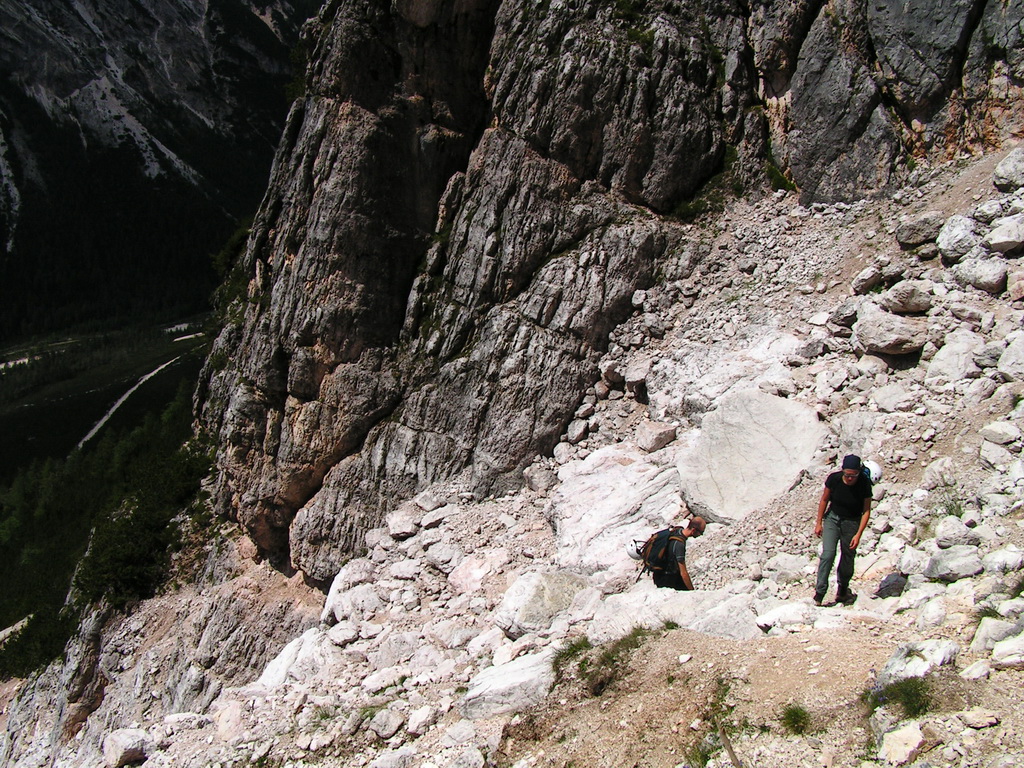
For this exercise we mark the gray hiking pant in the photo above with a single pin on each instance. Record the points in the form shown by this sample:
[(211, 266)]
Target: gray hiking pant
[(836, 530)]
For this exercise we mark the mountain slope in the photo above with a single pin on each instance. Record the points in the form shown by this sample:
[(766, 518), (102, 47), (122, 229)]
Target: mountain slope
[(132, 137)]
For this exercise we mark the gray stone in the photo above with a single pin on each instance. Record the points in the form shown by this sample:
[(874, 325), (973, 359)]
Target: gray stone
[(979, 670), (955, 359), (785, 568), (987, 275), (421, 719), (395, 758), (994, 456), (938, 474), (958, 236), (892, 398), (919, 229), (883, 332), (1004, 560), (953, 564), (402, 524), (1008, 234), (978, 718), (518, 685), (917, 659), (951, 532), (989, 632), (1011, 362), (907, 297), (1009, 652), (1000, 432), (540, 478), (1009, 173), (126, 746), (577, 431), (903, 745), (386, 723), (866, 280), (653, 436)]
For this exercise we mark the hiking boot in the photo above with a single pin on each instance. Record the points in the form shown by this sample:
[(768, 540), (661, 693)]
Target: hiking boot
[(846, 597), (818, 597)]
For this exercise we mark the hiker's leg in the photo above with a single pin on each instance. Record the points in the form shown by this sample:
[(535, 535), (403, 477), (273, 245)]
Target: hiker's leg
[(848, 529), (829, 539)]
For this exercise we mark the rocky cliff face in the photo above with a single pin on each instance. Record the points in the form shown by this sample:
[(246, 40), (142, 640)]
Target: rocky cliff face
[(132, 135), (470, 194)]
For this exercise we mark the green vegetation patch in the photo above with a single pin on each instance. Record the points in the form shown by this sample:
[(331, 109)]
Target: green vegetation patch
[(600, 669), (912, 694), (106, 514), (795, 719)]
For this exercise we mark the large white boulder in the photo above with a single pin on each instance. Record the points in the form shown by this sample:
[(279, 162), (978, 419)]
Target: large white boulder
[(751, 449), (517, 685), (613, 496), (535, 599)]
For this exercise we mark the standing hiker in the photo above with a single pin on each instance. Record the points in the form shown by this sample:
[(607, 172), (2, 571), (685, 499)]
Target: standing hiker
[(843, 514)]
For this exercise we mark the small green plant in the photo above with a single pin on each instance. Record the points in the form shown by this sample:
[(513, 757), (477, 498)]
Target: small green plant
[(697, 755), (911, 694), (949, 501), (567, 653), (602, 671), (322, 712), (670, 625), (986, 612), (795, 719), (777, 179)]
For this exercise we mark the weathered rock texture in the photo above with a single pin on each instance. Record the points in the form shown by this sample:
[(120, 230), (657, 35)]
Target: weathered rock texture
[(466, 201)]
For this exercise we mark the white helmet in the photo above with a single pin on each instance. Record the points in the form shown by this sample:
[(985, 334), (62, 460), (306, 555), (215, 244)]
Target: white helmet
[(874, 470), (633, 549)]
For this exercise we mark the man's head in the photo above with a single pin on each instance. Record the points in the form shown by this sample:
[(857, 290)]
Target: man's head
[(696, 526), (851, 469)]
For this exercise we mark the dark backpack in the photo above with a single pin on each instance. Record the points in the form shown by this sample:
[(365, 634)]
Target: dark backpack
[(654, 554)]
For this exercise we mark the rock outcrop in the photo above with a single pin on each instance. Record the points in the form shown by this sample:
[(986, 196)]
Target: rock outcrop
[(471, 195)]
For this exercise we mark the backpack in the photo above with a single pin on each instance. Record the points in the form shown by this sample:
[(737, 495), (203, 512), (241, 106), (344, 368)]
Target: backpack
[(654, 554)]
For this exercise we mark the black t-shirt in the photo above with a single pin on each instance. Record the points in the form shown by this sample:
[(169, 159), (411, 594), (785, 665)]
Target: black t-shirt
[(677, 549), (847, 501)]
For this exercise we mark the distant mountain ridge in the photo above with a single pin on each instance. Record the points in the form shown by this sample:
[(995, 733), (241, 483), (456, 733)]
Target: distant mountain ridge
[(133, 136)]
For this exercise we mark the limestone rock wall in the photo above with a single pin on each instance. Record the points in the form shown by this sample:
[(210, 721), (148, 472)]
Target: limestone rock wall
[(466, 201)]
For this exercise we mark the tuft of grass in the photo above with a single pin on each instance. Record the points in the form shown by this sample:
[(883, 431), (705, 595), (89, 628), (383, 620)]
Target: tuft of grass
[(949, 501), (567, 653), (600, 672), (697, 755), (986, 612), (795, 719), (912, 694)]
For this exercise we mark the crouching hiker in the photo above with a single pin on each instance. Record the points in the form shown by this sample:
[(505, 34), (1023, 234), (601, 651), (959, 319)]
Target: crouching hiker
[(664, 554)]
